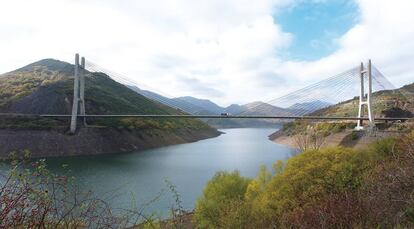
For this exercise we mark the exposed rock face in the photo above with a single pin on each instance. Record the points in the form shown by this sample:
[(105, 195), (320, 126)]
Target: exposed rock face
[(91, 141), (359, 141), (396, 112)]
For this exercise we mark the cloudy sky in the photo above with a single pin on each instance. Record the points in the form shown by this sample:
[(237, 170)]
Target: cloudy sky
[(229, 51)]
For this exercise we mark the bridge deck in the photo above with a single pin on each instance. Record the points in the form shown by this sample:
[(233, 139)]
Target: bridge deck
[(206, 116)]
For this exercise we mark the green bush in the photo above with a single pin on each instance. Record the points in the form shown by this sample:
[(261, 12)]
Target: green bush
[(383, 148), (354, 136), (297, 126), (311, 177), (222, 201), (327, 127)]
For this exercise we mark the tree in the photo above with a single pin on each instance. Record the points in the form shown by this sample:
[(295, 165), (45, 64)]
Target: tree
[(309, 140), (222, 201)]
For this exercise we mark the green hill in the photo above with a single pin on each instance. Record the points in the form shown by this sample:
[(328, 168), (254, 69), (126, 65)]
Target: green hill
[(46, 87)]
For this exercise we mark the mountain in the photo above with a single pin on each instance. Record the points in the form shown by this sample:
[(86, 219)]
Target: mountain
[(254, 108), (261, 108), (387, 103), (175, 102), (203, 103), (234, 109), (199, 106), (191, 108), (46, 87), (308, 107)]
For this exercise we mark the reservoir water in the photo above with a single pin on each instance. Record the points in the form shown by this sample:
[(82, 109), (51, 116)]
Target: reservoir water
[(120, 178)]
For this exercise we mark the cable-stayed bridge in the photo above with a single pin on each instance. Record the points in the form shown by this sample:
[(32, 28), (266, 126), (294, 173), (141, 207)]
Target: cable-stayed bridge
[(360, 81)]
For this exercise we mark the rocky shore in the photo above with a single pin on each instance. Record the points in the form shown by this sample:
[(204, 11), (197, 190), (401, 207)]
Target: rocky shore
[(93, 141), (347, 138)]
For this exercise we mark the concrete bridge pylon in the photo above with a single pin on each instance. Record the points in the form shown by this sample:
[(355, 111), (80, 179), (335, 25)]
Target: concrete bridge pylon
[(78, 93), (365, 99)]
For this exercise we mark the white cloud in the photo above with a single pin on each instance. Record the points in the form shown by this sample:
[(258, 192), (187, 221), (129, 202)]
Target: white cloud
[(384, 34), (227, 51)]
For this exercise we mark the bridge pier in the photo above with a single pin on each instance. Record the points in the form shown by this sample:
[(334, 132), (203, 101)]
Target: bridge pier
[(78, 94), (75, 102), (365, 100)]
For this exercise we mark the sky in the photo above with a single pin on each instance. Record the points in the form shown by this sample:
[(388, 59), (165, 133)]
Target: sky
[(228, 51)]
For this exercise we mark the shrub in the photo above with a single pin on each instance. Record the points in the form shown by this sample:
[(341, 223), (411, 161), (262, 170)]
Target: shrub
[(309, 140), (295, 127), (328, 127), (315, 188), (354, 136), (222, 201), (33, 197), (389, 186), (331, 187), (312, 176)]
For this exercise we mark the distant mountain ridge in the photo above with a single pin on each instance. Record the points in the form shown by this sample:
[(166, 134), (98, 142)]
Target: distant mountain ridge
[(203, 103), (207, 107), (199, 106), (174, 102), (261, 108), (387, 103), (235, 109)]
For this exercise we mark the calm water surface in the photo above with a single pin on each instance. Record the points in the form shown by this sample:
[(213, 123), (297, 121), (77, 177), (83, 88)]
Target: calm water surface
[(142, 175)]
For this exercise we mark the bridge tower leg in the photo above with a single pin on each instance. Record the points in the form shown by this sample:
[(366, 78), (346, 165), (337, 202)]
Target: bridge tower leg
[(369, 97), (75, 103), (365, 99), (82, 90)]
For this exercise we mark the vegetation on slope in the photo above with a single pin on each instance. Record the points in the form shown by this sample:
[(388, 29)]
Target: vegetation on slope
[(331, 187), (325, 128), (384, 102), (46, 87), (306, 134)]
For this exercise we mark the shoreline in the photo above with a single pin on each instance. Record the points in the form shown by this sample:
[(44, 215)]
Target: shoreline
[(344, 138), (94, 141), (280, 138)]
